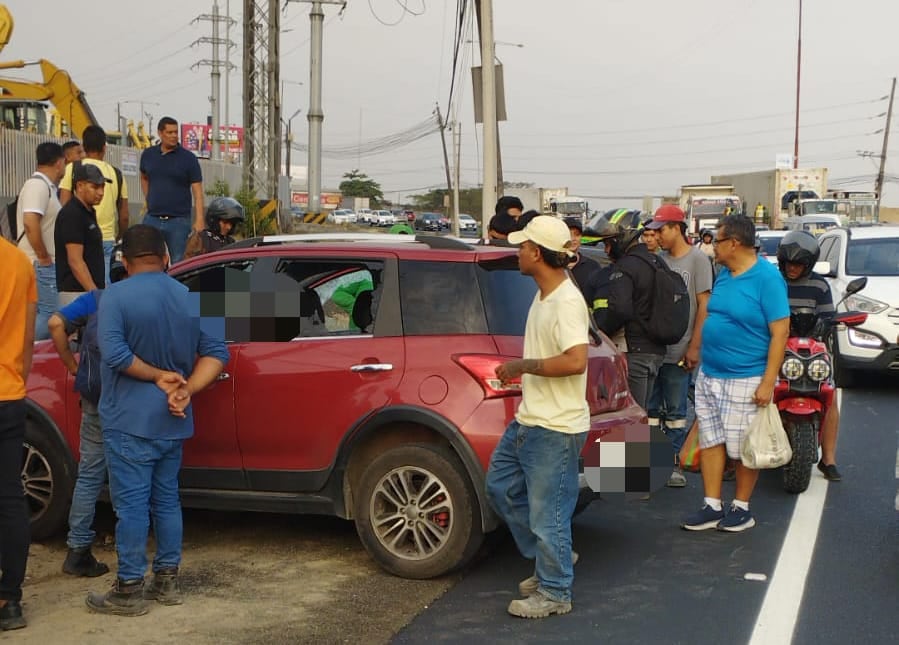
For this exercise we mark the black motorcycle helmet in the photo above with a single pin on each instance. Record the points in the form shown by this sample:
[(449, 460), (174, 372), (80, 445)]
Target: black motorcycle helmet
[(224, 208), (622, 241), (116, 266), (798, 247)]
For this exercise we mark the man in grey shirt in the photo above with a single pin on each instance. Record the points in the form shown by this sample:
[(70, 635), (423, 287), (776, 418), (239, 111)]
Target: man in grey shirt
[(667, 407)]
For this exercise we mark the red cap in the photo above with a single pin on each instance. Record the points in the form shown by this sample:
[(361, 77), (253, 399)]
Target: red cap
[(664, 215)]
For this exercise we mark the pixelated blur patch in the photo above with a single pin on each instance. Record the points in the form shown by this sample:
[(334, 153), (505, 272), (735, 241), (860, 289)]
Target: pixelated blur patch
[(628, 461)]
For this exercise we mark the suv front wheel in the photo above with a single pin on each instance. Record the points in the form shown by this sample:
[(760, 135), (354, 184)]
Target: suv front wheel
[(416, 513), (48, 481)]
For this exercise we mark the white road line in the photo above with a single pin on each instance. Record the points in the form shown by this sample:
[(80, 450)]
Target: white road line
[(777, 618)]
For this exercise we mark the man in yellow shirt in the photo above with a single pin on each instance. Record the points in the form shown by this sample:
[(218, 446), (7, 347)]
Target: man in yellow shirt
[(532, 480), (18, 310), (112, 212)]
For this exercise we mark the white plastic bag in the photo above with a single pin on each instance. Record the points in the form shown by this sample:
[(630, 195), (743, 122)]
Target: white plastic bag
[(766, 444)]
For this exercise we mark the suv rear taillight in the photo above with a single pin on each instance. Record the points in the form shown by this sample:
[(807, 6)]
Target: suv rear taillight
[(483, 368)]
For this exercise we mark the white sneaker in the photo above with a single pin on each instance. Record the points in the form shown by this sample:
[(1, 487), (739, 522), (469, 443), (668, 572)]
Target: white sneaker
[(677, 479)]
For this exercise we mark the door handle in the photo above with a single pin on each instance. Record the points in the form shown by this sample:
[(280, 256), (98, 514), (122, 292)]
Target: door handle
[(372, 367), (223, 376)]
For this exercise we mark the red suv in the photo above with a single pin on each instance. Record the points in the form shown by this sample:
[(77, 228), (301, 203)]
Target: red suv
[(361, 384)]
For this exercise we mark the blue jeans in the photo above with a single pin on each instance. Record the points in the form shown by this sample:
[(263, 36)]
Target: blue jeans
[(641, 375), (47, 302), (667, 407), (143, 482), (91, 477), (108, 246), (532, 484), (175, 230)]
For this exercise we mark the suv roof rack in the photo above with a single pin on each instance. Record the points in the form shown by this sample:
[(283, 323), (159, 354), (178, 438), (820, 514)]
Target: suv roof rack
[(433, 241)]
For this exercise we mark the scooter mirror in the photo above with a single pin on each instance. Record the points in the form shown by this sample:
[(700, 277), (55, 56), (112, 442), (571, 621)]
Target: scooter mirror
[(856, 285)]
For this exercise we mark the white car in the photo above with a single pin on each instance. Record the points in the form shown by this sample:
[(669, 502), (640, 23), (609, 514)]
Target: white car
[(364, 216), (770, 241), (467, 222), (341, 216), (383, 218), (848, 253)]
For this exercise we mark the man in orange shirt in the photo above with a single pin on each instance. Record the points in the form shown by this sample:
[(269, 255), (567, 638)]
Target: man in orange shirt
[(18, 309)]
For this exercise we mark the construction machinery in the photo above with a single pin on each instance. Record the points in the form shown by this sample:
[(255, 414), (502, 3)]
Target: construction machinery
[(24, 103)]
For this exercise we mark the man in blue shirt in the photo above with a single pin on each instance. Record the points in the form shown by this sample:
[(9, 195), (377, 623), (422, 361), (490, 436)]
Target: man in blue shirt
[(169, 177), (743, 341), (149, 343)]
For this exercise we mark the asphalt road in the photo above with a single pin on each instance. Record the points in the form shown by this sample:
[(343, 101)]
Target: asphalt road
[(641, 579)]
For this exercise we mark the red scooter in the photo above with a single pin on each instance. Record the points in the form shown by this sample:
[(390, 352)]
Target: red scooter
[(805, 390)]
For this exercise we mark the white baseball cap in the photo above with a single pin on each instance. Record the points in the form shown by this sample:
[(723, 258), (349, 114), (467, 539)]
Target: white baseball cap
[(546, 231)]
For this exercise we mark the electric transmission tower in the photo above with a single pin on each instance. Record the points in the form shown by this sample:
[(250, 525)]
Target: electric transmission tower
[(261, 99), (216, 65)]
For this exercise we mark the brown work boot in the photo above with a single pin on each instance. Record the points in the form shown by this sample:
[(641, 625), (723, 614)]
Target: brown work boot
[(165, 588), (126, 598), (538, 606)]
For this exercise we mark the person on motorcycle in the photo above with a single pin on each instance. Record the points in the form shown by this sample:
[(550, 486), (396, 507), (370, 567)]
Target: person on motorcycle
[(223, 216), (797, 254)]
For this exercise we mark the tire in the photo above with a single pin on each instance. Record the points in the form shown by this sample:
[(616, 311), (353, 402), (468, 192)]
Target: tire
[(842, 376), (48, 478), (409, 540), (803, 437)]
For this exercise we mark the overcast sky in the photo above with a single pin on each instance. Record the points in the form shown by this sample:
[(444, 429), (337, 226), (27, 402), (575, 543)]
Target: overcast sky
[(610, 98)]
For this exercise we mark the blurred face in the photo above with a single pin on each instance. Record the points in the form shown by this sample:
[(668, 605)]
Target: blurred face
[(793, 271), (169, 136), (514, 212), (75, 153), (668, 236), (724, 246), (91, 194), (651, 240), (575, 240), (225, 227), (528, 255)]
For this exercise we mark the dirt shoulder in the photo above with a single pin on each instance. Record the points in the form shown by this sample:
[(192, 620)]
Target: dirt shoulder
[(246, 577)]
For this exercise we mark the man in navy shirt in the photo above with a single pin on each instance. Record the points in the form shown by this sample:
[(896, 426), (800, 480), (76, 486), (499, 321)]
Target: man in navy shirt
[(169, 177), (150, 339)]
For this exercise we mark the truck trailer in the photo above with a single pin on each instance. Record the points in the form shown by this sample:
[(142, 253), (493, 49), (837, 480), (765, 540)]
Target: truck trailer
[(777, 191), (705, 204)]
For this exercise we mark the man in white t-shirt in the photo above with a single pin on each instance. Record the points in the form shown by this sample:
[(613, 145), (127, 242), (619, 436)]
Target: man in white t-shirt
[(36, 213), (532, 481)]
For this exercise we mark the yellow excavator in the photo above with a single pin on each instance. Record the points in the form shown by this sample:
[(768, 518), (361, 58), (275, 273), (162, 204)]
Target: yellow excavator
[(23, 103)]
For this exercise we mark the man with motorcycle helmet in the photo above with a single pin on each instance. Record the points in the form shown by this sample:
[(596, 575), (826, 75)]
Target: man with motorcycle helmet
[(807, 291), (223, 216), (629, 304)]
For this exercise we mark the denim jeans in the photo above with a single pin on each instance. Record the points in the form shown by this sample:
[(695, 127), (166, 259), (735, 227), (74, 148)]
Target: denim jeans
[(14, 525), (108, 246), (667, 407), (47, 302), (175, 230), (91, 477), (143, 483), (641, 375), (532, 484)]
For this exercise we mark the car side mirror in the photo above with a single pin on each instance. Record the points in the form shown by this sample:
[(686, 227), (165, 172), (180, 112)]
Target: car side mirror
[(856, 285), (823, 268)]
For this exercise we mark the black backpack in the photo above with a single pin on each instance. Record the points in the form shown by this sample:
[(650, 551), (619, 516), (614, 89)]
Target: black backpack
[(670, 315), (9, 225)]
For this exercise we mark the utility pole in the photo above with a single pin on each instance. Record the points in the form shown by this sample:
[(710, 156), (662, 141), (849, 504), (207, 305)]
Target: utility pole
[(449, 180), (878, 186), (457, 159), (228, 45), (216, 66), (798, 85), (316, 115), (488, 98)]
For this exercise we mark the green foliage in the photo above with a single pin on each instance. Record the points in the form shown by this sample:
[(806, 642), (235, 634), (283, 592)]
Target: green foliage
[(219, 188), (433, 200), (256, 224), (357, 184)]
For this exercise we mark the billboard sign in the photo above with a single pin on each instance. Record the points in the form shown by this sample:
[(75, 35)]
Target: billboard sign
[(196, 137)]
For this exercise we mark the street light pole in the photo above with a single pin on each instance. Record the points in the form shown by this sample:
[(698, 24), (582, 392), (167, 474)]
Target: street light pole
[(488, 97), (798, 84)]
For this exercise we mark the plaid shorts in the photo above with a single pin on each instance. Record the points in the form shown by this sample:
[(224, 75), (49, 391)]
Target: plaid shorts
[(725, 408)]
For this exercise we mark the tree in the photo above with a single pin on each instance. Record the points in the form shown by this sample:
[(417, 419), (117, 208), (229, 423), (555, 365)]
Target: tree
[(357, 184)]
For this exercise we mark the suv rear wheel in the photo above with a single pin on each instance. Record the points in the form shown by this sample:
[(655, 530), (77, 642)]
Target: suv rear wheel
[(48, 481), (416, 513)]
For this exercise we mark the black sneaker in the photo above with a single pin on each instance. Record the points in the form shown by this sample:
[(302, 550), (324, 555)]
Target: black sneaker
[(705, 518), (11, 616), (830, 471), (81, 562)]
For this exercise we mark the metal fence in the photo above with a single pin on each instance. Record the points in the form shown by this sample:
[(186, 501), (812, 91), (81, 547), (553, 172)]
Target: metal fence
[(17, 163)]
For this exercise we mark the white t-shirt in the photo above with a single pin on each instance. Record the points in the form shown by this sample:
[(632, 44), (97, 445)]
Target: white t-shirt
[(38, 195), (556, 323)]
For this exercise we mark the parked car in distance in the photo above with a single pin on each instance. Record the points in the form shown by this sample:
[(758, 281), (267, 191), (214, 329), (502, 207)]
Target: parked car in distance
[(382, 218), (341, 216), (366, 394), (467, 222), (849, 253), (298, 211), (365, 215), (409, 215), (428, 222), (444, 221), (770, 241)]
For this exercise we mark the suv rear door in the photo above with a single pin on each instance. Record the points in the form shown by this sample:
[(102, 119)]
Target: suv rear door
[(326, 354)]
